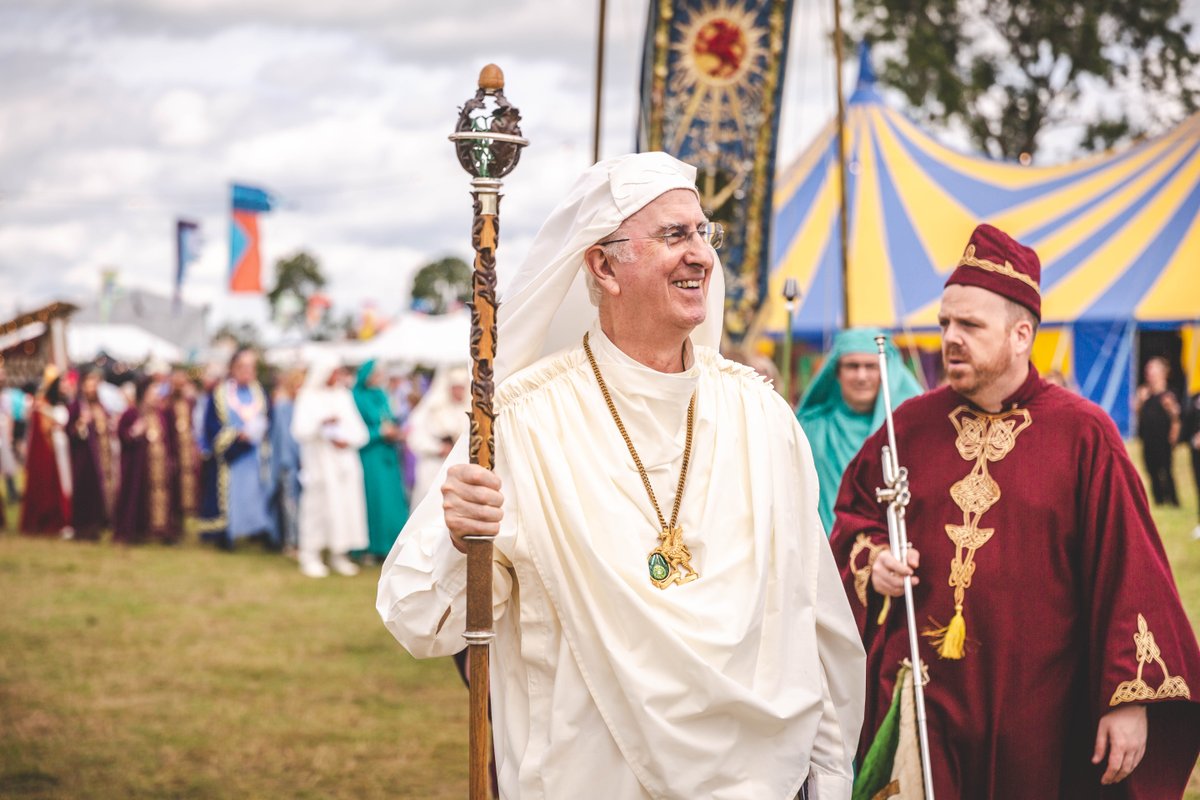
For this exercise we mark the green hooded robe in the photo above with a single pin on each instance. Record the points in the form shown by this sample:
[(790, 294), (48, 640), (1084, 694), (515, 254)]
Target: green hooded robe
[(383, 476), (834, 430)]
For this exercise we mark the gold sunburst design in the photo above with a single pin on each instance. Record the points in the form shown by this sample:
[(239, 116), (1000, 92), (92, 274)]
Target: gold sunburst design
[(720, 52)]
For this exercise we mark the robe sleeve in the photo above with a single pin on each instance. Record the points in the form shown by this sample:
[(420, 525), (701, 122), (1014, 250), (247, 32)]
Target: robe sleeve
[(1143, 647), (843, 660), (422, 589), (353, 426), (860, 533)]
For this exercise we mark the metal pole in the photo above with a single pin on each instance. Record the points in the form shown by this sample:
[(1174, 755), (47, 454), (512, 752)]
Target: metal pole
[(599, 85), (843, 220), (896, 495), (488, 142)]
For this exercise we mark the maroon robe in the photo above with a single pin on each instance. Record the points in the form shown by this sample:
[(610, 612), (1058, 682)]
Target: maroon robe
[(93, 468), (145, 509), (1072, 572), (47, 508), (185, 479)]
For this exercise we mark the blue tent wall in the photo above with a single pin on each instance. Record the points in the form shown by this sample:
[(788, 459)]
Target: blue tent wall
[(1103, 356)]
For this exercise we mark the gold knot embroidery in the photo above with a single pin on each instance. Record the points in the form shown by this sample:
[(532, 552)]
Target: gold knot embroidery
[(1147, 650), (983, 439), (863, 574)]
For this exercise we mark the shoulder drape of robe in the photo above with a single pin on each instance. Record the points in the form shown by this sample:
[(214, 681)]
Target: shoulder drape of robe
[(1069, 596), (47, 507)]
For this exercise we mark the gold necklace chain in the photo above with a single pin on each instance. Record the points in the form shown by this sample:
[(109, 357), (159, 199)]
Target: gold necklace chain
[(670, 561)]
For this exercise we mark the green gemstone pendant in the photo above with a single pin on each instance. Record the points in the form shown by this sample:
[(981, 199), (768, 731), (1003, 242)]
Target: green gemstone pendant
[(659, 568)]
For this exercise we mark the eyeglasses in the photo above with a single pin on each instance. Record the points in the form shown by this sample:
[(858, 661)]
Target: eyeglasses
[(711, 233)]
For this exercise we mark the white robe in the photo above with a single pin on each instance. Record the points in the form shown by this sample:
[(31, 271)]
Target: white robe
[(737, 685), (333, 505)]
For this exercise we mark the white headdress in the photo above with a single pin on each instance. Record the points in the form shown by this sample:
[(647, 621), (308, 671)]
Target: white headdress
[(546, 307)]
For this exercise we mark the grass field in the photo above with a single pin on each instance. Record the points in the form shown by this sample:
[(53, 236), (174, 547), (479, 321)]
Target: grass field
[(186, 673)]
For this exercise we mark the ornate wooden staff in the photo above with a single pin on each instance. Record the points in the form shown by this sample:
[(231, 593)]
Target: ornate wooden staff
[(488, 142)]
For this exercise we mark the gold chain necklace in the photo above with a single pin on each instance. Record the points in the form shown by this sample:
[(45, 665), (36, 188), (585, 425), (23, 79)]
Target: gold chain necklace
[(670, 561)]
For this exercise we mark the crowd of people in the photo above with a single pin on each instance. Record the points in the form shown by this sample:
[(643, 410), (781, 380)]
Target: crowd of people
[(318, 464)]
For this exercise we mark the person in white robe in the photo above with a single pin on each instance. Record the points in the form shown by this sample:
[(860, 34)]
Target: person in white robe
[(436, 424), (333, 506), (743, 675)]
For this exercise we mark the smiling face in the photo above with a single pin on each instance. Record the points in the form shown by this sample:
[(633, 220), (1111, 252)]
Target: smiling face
[(984, 351), (662, 290)]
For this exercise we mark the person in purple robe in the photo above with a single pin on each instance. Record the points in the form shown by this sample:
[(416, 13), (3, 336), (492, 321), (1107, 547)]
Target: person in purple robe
[(94, 465), (145, 509)]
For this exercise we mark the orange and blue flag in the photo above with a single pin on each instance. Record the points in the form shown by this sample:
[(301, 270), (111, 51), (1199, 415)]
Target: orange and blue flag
[(245, 264)]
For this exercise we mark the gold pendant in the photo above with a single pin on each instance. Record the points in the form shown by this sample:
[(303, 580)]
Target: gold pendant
[(671, 562)]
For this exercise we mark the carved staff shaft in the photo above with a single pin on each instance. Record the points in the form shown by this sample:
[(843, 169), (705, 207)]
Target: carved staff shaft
[(488, 141)]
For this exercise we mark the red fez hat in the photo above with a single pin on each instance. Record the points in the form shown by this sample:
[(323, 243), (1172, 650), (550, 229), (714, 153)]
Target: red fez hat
[(995, 261)]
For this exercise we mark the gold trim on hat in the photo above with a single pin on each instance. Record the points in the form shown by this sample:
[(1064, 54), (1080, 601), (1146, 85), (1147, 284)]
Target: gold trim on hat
[(969, 259)]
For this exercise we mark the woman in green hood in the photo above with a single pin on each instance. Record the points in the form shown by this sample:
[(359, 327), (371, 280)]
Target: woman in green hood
[(383, 476)]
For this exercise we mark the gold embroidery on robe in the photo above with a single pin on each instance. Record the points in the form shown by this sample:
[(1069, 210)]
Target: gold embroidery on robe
[(982, 438), (187, 462), (862, 575), (156, 455), (1137, 689)]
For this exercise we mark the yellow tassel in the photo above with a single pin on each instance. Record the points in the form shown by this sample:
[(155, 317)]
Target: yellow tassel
[(953, 637), (883, 612)]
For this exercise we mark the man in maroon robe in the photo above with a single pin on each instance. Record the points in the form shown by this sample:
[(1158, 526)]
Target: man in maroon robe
[(93, 460), (185, 479), (145, 509), (1061, 663)]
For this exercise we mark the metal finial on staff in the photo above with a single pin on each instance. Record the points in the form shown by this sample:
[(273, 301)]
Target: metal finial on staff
[(896, 494), (488, 142), (791, 290)]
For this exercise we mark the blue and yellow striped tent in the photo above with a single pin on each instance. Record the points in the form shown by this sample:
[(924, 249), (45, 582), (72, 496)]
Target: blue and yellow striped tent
[(1118, 235)]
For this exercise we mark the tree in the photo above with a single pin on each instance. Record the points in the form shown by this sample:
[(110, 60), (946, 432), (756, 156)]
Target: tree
[(1007, 70), (442, 284), (297, 278), (242, 334)]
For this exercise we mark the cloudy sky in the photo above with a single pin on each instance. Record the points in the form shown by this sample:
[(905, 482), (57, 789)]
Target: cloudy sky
[(118, 116)]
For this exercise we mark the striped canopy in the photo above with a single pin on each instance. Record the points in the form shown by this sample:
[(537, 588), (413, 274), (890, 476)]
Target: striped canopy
[(1118, 233)]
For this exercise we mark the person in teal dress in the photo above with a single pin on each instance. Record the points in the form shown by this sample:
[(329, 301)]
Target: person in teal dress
[(844, 405), (383, 476)]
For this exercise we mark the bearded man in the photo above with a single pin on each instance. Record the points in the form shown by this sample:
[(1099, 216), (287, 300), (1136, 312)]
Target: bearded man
[(1061, 663), (669, 620)]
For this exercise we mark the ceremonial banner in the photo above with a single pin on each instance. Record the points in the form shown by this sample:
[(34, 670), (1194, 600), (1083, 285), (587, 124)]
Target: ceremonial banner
[(245, 267), (187, 250), (712, 76)]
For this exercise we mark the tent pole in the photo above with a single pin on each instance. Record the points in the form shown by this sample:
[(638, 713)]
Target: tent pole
[(843, 226)]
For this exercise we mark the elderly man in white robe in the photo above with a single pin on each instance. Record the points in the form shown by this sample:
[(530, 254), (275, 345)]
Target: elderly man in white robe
[(670, 621), (333, 506)]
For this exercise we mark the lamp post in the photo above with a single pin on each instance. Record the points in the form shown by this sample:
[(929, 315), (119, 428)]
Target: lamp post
[(790, 292), (488, 142)]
